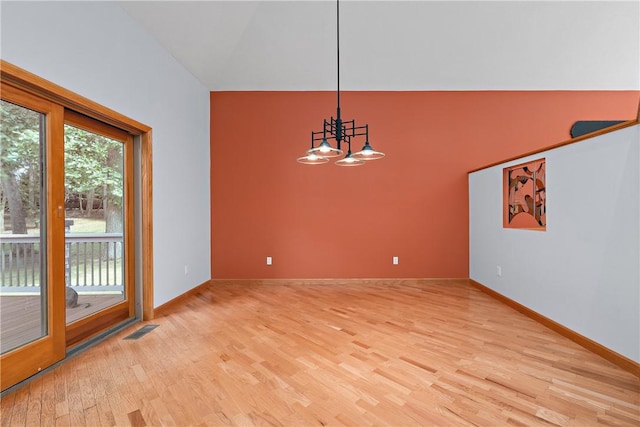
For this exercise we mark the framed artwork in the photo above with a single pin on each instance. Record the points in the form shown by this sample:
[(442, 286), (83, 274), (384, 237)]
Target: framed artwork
[(524, 196)]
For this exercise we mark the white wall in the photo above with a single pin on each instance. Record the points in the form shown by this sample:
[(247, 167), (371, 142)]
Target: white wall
[(96, 50), (584, 271)]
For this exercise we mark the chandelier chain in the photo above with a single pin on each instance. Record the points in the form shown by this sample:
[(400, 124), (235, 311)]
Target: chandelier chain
[(338, 49)]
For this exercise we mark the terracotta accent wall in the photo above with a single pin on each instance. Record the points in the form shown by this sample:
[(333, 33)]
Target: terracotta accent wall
[(331, 222)]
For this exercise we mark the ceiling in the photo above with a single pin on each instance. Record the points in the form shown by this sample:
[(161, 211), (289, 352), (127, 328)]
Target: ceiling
[(400, 45)]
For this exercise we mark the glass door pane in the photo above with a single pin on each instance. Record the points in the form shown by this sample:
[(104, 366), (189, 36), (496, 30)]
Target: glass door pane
[(94, 223), (23, 284)]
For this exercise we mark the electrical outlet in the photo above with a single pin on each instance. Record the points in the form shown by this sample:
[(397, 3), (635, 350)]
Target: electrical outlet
[(186, 269), (499, 271), (269, 260), (395, 260)]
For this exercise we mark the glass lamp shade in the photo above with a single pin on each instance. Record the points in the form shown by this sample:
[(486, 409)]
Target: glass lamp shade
[(368, 153), (325, 150), (349, 160), (312, 159)]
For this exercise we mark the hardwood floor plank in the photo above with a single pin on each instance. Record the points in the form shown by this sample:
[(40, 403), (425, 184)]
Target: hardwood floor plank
[(398, 352), (7, 402), (105, 414), (63, 421), (136, 419), (91, 416), (33, 413), (20, 407), (162, 414)]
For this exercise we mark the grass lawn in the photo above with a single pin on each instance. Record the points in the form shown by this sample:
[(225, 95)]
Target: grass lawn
[(80, 225), (88, 225)]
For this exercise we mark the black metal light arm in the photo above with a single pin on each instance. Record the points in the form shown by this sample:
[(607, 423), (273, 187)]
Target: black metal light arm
[(340, 131)]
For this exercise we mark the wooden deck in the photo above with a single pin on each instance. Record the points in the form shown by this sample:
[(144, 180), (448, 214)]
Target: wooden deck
[(20, 316), (389, 353)]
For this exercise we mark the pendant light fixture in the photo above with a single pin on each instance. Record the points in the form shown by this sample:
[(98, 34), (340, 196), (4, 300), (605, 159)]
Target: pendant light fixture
[(341, 131)]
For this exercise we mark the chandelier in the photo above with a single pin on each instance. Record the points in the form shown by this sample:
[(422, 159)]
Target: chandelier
[(339, 130)]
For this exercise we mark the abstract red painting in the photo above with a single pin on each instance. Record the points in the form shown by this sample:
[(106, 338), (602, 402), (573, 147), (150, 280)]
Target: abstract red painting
[(525, 204)]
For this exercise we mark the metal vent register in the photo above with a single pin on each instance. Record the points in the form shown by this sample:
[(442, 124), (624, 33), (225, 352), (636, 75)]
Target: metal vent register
[(141, 332)]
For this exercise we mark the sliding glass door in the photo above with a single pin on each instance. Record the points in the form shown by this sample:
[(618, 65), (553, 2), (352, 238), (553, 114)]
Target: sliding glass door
[(98, 218), (66, 231)]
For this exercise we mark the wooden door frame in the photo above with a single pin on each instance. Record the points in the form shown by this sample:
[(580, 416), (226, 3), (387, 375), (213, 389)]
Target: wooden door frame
[(31, 83)]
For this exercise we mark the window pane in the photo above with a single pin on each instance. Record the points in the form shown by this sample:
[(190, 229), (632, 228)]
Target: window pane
[(94, 222), (22, 244)]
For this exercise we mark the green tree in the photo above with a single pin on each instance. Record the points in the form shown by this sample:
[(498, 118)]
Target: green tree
[(19, 164), (93, 166), (93, 169), (114, 189)]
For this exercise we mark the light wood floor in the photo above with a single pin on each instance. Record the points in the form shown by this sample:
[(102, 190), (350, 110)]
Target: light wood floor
[(299, 354)]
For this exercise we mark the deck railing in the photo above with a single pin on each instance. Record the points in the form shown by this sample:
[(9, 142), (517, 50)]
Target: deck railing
[(91, 260)]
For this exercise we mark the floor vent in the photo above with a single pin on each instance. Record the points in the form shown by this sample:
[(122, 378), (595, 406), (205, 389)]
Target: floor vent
[(140, 332)]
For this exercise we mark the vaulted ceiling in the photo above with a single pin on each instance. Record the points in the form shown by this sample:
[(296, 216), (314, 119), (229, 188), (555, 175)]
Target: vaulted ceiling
[(400, 45)]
